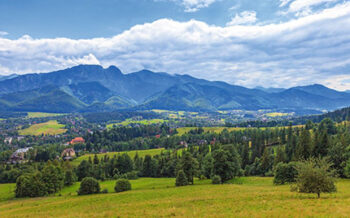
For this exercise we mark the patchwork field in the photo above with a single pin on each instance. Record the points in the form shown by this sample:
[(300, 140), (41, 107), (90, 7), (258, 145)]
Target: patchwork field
[(154, 197), (277, 114), (144, 122), (41, 114), (141, 153), (51, 127)]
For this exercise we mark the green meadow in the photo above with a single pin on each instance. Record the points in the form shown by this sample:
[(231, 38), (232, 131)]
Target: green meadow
[(51, 127), (158, 197), (41, 114), (143, 122), (132, 154)]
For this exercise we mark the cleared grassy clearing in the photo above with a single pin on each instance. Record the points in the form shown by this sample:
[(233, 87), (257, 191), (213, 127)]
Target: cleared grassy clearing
[(51, 127), (41, 114), (132, 154), (255, 197), (129, 121)]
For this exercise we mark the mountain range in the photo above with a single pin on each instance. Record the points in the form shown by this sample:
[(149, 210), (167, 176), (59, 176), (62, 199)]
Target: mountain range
[(93, 88)]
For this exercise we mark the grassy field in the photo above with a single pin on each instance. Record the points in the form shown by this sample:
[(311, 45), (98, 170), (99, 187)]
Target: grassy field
[(41, 114), (51, 127), (277, 114), (144, 122), (141, 153), (184, 130), (247, 197)]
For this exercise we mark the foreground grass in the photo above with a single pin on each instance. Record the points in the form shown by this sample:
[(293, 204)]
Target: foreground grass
[(132, 154), (51, 127), (248, 197)]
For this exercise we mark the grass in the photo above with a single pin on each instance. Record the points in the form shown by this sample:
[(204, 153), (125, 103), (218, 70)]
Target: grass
[(277, 114), (247, 197), (144, 122), (51, 127), (141, 153), (184, 130), (41, 114)]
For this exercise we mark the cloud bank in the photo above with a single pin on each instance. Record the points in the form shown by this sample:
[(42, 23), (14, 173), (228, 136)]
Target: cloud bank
[(310, 49)]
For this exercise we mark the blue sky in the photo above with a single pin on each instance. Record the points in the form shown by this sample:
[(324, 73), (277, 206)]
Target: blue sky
[(271, 43)]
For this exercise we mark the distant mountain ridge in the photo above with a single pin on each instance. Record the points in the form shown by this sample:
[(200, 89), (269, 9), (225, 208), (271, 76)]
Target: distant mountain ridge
[(94, 88)]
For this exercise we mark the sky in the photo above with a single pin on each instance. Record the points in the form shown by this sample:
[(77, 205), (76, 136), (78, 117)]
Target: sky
[(269, 43)]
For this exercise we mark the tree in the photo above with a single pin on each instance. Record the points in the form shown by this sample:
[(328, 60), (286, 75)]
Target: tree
[(30, 185), (314, 176), (69, 178), (122, 185), (96, 160), (181, 179), (83, 170), (207, 165), (149, 166), (321, 147), (285, 173), (89, 185), (280, 156), (304, 148), (189, 165), (222, 166), (53, 177)]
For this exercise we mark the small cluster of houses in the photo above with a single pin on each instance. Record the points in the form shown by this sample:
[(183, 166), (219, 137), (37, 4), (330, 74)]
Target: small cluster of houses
[(20, 155)]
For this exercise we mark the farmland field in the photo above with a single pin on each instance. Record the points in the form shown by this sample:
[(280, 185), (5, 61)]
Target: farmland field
[(51, 127), (141, 153), (144, 122), (277, 114), (154, 197), (41, 114)]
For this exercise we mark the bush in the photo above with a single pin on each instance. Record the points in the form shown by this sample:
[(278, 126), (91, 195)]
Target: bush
[(132, 175), (104, 191), (69, 178), (202, 177), (216, 179), (89, 185), (122, 185), (181, 179), (285, 173)]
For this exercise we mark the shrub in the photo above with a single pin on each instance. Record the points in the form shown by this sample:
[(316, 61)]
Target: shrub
[(216, 179), (69, 178), (89, 185), (202, 177), (285, 173), (122, 185), (181, 179), (132, 175), (104, 191)]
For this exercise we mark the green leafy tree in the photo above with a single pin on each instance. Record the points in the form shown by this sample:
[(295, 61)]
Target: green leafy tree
[(69, 178), (216, 180), (285, 173), (207, 165), (315, 176), (304, 146), (53, 177), (30, 185), (222, 166), (189, 165), (149, 166)]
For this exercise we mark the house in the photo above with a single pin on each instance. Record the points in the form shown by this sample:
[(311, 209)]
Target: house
[(19, 155), (8, 140), (68, 154), (77, 140)]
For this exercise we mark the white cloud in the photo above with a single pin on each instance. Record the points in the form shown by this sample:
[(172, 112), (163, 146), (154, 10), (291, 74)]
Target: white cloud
[(284, 2), (245, 17), (3, 33), (310, 49), (299, 5)]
